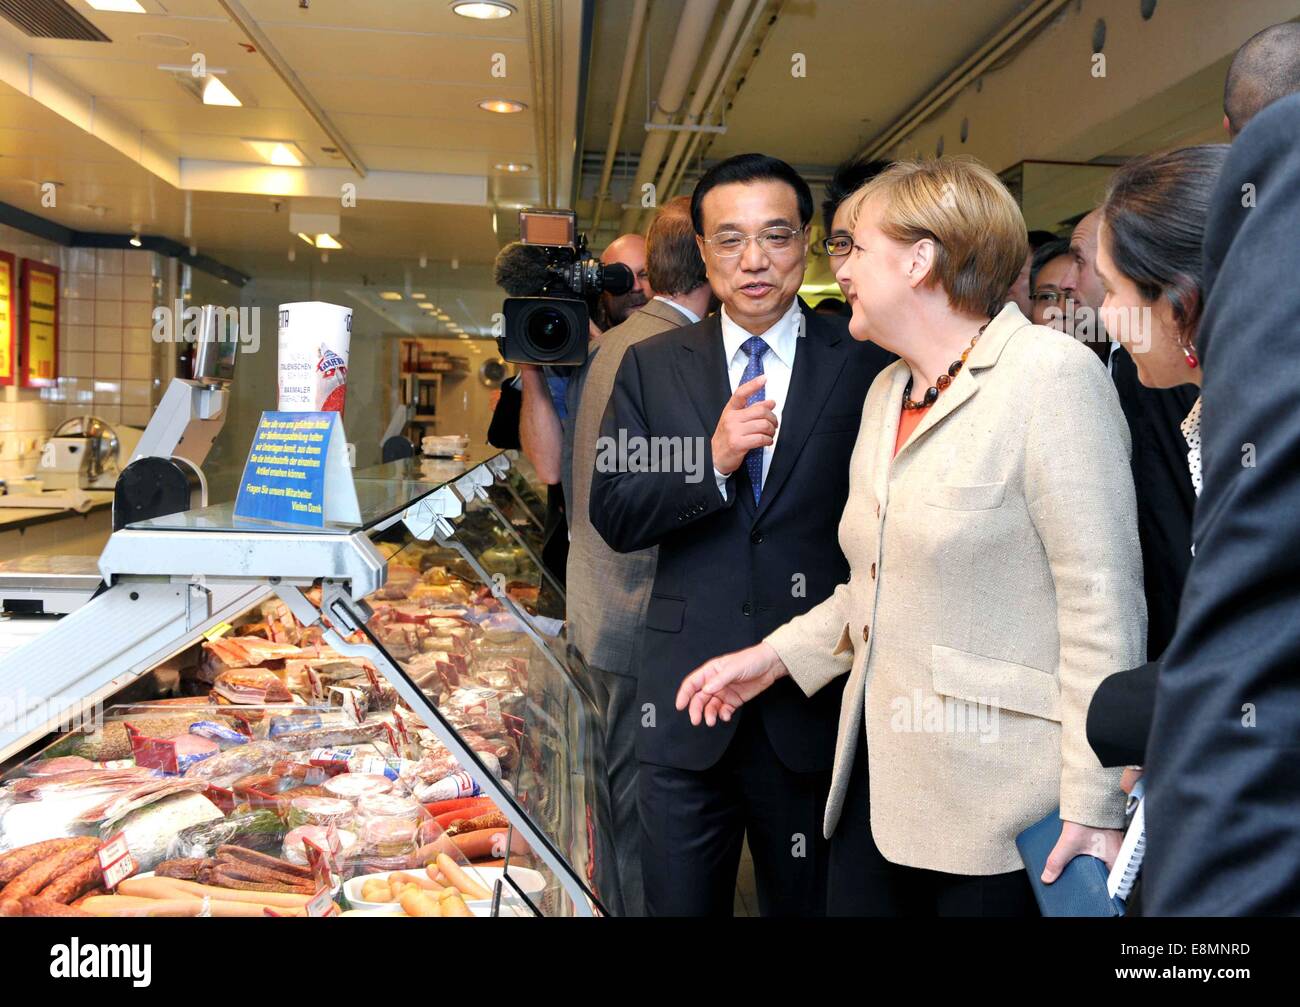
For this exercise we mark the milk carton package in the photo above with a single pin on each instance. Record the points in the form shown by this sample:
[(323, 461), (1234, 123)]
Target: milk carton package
[(313, 361)]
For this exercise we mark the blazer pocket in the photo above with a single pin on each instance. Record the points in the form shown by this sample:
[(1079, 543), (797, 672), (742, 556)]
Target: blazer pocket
[(839, 423), (986, 496), (990, 682), (665, 613)]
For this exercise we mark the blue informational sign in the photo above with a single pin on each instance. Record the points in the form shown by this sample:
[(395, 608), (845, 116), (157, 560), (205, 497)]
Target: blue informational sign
[(297, 471)]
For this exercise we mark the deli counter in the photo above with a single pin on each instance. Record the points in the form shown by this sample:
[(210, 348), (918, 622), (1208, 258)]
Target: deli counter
[(250, 718)]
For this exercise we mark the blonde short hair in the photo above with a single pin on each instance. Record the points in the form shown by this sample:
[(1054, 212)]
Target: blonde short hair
[(979, 234)]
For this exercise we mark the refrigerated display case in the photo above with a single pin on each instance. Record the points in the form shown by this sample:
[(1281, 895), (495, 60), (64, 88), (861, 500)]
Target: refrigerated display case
[(429, 639)]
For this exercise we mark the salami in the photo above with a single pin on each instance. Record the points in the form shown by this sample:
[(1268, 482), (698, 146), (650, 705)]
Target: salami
[(75, 883), (39, 874)]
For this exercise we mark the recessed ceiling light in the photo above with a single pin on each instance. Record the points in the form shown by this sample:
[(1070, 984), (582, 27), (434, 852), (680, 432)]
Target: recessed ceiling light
[(284, 153), (117, 6), (418, 297), (503, 105), (513, 166), (215, 92), (389, 295), (483, 10), (425, 304)]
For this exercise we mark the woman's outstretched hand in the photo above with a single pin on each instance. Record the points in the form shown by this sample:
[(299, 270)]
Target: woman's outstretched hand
[(719, 687)]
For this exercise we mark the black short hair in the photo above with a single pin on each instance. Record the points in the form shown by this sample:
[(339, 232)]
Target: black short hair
[(1044, 254), (1155, 211), (849, 177), (746, 168), (1037, 239), (1264, 69), (830, 306)]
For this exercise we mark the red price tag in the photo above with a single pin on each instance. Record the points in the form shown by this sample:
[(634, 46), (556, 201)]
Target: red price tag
[(221, 797), (319, 862), (313, 679), (153, 753), (392, 738), (401, 727), (370, 674), (350, 705), (115, 861)]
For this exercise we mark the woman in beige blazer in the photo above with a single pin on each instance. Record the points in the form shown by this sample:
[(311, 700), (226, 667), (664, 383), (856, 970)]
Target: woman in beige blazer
[(996, 575)]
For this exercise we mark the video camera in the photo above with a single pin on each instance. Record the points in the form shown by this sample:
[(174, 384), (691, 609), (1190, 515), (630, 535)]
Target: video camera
[(553, 282)]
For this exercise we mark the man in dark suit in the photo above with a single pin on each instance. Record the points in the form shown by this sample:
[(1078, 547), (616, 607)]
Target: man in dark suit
[(1223, 790), (755, 411), (1165, 496)]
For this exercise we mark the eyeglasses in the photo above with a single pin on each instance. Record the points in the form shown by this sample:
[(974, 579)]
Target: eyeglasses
[(837, 245), (1047, 297), (773, 240)]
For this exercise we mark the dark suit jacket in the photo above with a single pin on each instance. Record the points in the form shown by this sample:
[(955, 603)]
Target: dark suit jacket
[(1223, 761), (1165, 497), (729, 573)]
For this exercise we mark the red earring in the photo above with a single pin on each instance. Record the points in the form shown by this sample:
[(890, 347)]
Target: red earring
[(1192, 360)]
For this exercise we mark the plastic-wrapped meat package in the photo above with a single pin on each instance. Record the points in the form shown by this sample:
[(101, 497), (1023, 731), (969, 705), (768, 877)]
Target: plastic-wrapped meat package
[(251, 686)]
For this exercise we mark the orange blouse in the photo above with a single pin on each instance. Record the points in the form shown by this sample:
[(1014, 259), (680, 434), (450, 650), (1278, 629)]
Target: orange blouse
[(907, 422)]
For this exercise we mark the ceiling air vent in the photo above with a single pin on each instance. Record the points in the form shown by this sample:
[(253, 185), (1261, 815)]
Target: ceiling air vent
[(51, 19)]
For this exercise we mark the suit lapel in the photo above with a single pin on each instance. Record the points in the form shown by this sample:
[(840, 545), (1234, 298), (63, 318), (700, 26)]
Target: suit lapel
[(703, 371), (966, 383), (886, 411), (818, 364)]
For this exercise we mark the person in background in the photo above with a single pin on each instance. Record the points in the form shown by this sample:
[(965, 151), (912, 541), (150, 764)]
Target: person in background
[(767, 396), (830, 306), (1164, 489), (1264, 69), (1049, 304), (850, 176), (1149, 262), (544, 405), (975, 558), (1223, 793), (629, 249), (608, 591), (1019, 292)]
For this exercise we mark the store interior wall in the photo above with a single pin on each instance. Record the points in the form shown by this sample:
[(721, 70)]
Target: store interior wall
[(109, 366)]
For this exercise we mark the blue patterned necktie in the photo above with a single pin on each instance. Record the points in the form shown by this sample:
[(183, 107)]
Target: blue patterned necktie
[(754, 347)]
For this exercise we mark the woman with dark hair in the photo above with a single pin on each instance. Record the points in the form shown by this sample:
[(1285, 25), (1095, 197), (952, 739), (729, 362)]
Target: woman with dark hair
[(1150, 265)]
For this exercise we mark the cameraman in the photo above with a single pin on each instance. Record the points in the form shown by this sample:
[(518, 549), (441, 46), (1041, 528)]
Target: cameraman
[(544, 409)]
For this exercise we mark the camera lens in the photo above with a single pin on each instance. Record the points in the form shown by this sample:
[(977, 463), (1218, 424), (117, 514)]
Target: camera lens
[(547, 330)]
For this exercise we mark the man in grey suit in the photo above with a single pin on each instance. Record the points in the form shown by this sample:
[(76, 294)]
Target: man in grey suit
[(608, 591)]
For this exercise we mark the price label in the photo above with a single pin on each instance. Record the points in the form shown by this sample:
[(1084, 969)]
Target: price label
[(321, 904), (153, 753), (218, 631), (313, 680), (352, 705), (115, 861), (370, 674), (392, 739), (318, 863), (221, 797)]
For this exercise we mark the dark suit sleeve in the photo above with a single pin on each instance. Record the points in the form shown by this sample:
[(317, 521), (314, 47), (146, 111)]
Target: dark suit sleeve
[(1223, 762), (633, 508), (1119, 716)]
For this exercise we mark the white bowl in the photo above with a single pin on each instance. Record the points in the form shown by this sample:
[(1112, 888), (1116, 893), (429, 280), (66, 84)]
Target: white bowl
[(532, 883)]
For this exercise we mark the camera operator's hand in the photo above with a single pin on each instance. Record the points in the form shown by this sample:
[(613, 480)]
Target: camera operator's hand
[(742, 428)]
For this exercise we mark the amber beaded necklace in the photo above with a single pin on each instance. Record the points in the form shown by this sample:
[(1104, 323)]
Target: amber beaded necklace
[(944, 380)]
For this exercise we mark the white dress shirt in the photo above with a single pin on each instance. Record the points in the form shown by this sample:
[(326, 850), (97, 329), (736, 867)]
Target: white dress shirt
[(680, 307), (778, 364)]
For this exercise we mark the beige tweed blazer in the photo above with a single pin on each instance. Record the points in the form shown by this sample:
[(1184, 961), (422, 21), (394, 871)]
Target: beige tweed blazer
[(996, 580)]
